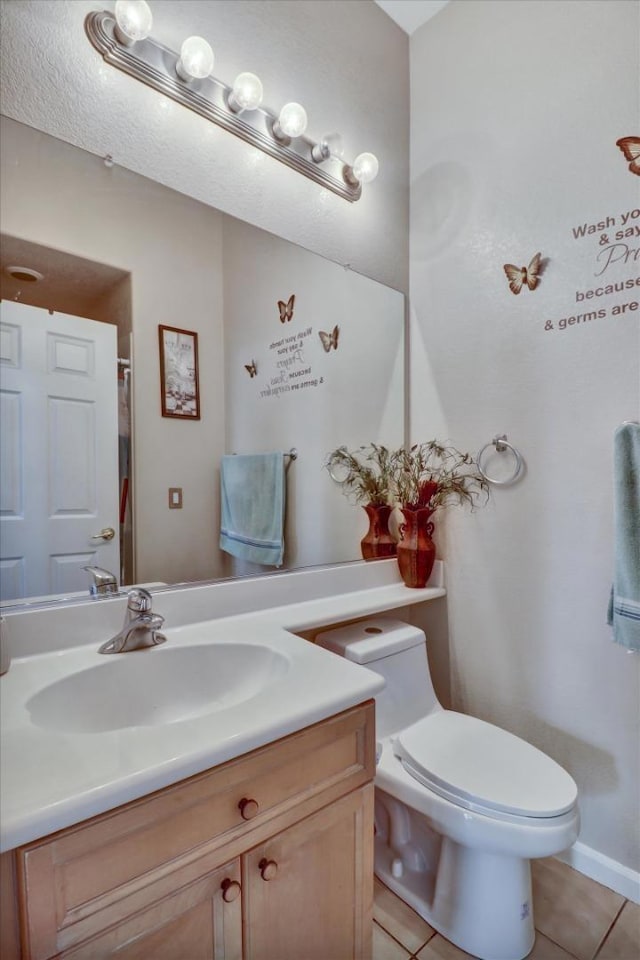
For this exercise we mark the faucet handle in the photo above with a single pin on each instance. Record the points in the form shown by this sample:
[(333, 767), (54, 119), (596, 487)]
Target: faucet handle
[(139, 600)]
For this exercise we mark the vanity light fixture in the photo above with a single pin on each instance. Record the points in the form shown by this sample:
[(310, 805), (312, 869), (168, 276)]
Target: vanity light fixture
[(196, 59), (291, 122), (364, 169), (246, 93), (123, 41), (330, 145), (133, 21)]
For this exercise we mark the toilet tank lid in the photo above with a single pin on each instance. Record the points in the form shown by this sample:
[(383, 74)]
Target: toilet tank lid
[(371, 639)]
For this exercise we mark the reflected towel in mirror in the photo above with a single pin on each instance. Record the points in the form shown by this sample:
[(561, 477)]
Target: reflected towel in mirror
[(252, 492), (624, 604)]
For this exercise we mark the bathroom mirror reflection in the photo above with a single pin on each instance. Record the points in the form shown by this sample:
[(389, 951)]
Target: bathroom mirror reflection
[(294, 352)]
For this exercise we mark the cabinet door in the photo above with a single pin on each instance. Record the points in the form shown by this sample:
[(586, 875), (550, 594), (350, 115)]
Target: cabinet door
[(309, 890), (201, 921)]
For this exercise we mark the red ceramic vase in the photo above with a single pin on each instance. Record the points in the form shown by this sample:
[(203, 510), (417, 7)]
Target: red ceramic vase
[(416, 550), (378, 542)]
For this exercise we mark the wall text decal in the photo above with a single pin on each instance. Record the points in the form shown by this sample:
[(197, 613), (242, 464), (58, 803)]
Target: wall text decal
[(614, 269), (293, 372)]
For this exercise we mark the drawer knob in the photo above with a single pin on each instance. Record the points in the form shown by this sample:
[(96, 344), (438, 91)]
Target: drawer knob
[(268, 869), (231, 890), (248, 808)]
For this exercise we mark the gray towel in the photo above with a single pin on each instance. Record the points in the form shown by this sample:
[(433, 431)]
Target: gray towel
[(624, 602), (252, 492)]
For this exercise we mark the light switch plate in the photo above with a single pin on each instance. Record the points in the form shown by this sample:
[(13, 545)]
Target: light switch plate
[(175, 498)]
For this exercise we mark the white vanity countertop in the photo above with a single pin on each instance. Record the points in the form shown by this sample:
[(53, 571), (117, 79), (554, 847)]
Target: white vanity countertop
[(52, 779)]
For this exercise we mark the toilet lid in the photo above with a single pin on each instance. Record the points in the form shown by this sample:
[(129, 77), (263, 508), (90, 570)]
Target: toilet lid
[(478, 765)]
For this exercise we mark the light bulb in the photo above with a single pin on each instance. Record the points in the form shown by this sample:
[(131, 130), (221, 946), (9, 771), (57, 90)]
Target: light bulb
[(133, 21), (292, 122), (331, 145), (246, 93), (196, 59), (365, 167)]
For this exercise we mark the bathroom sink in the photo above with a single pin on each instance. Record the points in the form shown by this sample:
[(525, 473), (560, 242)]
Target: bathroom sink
[(154, 687)]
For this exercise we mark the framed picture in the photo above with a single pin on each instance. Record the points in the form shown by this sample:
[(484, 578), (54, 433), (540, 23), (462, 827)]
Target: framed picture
[(179, 388)]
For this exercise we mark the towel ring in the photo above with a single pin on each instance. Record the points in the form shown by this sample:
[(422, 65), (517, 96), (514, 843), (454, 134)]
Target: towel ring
[(335, 477), (501, 444)]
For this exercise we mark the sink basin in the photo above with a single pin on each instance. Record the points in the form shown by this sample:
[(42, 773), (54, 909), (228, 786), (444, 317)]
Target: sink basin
[(149, 688)]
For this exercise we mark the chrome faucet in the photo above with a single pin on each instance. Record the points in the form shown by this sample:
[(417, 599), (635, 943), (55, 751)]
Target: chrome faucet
[(104, 584), (140, 627)]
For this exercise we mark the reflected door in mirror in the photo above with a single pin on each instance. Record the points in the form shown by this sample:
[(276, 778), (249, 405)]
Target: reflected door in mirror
[(58, 450)]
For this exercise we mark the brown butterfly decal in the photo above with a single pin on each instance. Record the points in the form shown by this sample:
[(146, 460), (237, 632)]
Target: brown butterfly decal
[(251, 368), (630, 146), (329, 340), (519, 276), (286, 309)]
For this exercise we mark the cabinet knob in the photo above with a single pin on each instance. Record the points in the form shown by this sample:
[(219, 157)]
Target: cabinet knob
[(231, 890), (248, 808), (268, 869)]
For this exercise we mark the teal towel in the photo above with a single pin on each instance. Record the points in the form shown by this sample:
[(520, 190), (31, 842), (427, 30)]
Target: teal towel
[(252, 492), (624, 602)]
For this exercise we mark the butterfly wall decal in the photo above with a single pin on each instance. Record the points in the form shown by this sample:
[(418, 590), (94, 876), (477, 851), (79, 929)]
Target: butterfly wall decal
[(251, 368), (329, 340), (630, 146), (518, 277), (286, 309)]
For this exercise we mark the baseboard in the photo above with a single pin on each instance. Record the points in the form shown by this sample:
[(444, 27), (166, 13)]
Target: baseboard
[(603, 869)]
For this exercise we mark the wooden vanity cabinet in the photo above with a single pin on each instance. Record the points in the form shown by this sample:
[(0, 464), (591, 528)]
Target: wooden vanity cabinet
[(266, 857)]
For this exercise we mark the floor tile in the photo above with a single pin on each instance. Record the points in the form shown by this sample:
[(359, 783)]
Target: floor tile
[(440, 949), (570, 909), (399, 920), (545, 949), (385, 947), (623, 941)]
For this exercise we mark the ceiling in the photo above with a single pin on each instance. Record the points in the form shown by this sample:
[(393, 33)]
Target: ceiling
[(411, 14)]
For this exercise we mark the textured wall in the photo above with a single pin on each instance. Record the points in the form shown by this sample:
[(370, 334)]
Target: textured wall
[(346, 62), (513, 147)]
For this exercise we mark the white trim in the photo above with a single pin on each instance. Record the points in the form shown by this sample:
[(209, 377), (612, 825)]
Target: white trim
[(609, 872)]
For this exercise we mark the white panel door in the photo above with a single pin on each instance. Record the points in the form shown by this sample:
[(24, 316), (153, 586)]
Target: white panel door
[(58, 450)]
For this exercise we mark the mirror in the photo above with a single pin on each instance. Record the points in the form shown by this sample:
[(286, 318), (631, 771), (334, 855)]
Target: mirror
[(294, 352)]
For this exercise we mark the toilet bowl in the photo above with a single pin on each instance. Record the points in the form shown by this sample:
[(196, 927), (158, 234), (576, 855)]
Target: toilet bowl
[(462, 806)]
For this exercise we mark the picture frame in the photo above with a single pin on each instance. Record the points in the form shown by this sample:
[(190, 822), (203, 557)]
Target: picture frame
[(179, 384)]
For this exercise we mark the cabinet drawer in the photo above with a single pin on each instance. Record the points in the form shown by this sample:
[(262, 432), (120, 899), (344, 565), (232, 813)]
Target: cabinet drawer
[(194, 923), (116, 863)]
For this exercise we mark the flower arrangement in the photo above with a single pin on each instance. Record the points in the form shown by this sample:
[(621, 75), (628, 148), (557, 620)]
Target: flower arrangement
[(366, 474), (433, 474), (427, 475), (418, 480)]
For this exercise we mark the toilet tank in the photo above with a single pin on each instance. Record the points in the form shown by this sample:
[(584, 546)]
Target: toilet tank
[(398, 652)]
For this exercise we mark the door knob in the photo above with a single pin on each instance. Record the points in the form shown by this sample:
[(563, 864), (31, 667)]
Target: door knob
[(268, 869), (107, 533), (231, 890)]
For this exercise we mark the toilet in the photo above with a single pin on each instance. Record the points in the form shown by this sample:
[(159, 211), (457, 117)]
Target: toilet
[(461, 805)]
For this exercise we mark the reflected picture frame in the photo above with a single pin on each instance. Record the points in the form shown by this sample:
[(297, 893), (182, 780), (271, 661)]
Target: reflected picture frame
[(179, 383)]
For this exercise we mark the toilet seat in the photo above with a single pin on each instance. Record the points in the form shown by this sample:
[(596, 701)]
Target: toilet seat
[(481, 767)]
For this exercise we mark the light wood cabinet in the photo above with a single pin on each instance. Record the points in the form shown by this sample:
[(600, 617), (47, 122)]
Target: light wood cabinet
[(267, 857), (308, 890)]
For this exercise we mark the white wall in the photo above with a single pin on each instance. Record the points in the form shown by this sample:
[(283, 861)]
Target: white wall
[(56, 195), (516, 109), (346, 62)]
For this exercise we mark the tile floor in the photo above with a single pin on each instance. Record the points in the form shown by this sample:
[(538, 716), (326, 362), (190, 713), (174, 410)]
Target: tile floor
[(575, 918)]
